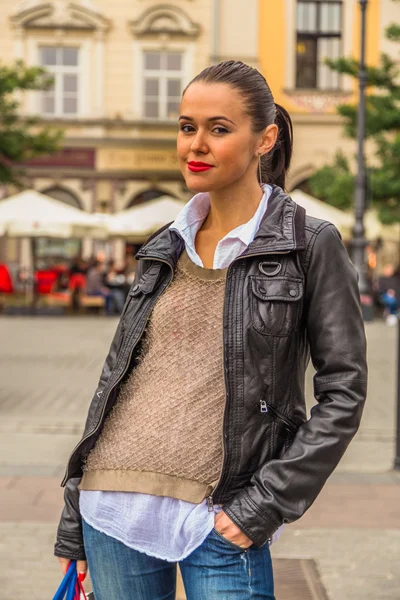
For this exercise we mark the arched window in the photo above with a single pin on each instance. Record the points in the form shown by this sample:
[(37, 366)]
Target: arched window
[(63, 195), (304, 186), (50, 250), (147, 195)]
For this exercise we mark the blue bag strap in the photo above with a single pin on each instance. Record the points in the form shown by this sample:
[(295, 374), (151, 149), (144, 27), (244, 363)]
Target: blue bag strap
[(71, 592), (64, 585)]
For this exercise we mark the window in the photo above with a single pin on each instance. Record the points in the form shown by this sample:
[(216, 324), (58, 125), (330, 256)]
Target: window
[(319, 31), (51, 249), (63, 196), (163, 82), (63, 98)]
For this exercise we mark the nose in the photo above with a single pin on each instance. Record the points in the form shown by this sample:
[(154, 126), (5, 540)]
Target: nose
[(199, 143)]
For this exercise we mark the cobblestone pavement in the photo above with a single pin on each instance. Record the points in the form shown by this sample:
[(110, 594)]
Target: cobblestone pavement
[(48, 372)]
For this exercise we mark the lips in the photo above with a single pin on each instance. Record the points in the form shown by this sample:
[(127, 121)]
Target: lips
[(198, 167)]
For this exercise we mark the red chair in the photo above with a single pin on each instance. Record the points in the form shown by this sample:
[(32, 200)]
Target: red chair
[(6, 286), (45, 281)]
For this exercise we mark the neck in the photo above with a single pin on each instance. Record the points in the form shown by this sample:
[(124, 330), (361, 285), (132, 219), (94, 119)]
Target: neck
[(232, 206)]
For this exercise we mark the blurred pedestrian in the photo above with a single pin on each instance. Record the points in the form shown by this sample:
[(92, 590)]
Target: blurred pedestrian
[(389, 290), (95, 285), (115, 282), (391, 304), (78, 266), (197, 446)]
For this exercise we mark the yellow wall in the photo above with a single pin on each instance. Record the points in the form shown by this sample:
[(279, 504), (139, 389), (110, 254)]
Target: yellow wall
[(372, 32), (272, 45)]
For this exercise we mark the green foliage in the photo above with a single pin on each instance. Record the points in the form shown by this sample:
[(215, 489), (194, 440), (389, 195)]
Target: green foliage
[(335, 183), (22, 138), (385, 181)]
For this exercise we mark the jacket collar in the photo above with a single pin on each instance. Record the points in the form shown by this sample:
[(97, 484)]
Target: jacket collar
[(282, 229)]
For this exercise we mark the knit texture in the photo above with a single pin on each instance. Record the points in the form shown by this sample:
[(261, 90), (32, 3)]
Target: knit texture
[(168, 419)]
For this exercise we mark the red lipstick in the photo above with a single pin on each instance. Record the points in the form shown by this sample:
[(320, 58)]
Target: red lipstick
[(198, 167)]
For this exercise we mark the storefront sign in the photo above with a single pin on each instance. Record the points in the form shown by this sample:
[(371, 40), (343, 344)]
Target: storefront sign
[(136, 159), (83, 158)]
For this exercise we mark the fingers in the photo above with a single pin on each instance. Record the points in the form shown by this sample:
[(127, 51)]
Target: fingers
[(64, 562), (81, 567)]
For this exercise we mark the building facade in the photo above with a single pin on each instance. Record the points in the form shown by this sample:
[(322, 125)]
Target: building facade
[(120, 67), (119, 70), (295, 36)]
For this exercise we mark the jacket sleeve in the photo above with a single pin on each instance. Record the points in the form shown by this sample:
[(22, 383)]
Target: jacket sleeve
[(69, 543), (283, 489)]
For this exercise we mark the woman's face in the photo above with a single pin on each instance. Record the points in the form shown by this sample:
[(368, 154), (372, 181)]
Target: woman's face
[(216, 145)]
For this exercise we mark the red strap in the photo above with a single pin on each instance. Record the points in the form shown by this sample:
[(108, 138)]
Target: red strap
[(79, 589)]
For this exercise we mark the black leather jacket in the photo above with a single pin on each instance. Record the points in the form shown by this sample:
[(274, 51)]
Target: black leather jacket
[(293, 293)]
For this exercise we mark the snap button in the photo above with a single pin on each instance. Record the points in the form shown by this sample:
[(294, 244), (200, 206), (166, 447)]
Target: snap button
[(263, 290), (292, 293), (135, 288)]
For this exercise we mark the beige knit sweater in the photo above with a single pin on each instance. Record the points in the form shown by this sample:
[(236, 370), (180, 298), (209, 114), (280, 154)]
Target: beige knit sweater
[(164, 435)]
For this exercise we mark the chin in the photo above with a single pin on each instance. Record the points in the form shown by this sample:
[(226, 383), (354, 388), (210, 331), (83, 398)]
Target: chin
[(198, 187), (203, 184)]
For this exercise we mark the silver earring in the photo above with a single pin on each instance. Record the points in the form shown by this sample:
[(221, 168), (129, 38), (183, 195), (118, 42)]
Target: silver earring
[(259, 168)]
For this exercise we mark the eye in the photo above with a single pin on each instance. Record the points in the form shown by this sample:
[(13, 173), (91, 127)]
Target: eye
[(220, 130), (187, 128)]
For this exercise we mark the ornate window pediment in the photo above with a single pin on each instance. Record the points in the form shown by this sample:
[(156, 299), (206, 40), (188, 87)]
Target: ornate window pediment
[(59, 15), (164, 19)]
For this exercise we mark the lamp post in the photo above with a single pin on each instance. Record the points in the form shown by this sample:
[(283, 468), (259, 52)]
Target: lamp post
[(359, 241)]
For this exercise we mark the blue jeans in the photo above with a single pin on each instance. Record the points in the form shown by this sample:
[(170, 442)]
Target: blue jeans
[(216, 570)]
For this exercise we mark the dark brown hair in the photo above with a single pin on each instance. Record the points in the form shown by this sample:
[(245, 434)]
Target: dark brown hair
[(262, 110)]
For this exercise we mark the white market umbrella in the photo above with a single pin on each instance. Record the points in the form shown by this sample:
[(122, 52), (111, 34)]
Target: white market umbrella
[(375, 229), (321, 210), (344, 221), (144, 219), (31, 214)]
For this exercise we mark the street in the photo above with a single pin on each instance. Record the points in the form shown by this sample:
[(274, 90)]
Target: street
[(49, 369)]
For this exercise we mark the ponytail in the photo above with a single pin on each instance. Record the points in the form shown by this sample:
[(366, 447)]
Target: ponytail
[(275, 164)]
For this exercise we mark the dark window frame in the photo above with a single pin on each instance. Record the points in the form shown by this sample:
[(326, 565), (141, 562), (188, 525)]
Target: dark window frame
[(316, 36)]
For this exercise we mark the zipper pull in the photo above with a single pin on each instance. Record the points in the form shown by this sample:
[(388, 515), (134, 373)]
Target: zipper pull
[(263, 406), (210, 504)]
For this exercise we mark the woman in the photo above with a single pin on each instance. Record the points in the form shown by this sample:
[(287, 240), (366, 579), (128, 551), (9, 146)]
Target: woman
[(197, 447)]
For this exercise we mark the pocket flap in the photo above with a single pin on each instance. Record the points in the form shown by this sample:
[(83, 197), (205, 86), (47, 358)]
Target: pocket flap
[(147, 282), (285, 289)]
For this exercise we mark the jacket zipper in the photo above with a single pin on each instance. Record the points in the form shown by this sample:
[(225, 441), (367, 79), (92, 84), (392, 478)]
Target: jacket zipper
[(210, 498), (268, 408), (64, 481)]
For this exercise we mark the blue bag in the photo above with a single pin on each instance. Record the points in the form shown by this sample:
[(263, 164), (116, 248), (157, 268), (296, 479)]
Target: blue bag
[(70, 587)]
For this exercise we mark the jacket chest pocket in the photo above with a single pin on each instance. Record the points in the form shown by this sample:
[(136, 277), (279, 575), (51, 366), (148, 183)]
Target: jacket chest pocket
[(275, 304), (140, 292)]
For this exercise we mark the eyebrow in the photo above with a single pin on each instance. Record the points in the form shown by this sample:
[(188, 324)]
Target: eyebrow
[(220, 118)]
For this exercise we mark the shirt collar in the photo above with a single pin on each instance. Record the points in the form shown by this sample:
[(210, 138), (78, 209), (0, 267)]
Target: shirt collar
[(192, 216)]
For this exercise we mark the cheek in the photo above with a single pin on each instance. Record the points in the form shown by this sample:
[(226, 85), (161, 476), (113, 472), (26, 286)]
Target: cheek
[(182, 147), (233, 154)]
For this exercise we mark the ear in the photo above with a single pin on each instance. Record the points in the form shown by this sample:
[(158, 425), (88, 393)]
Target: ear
[(268, 139)]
